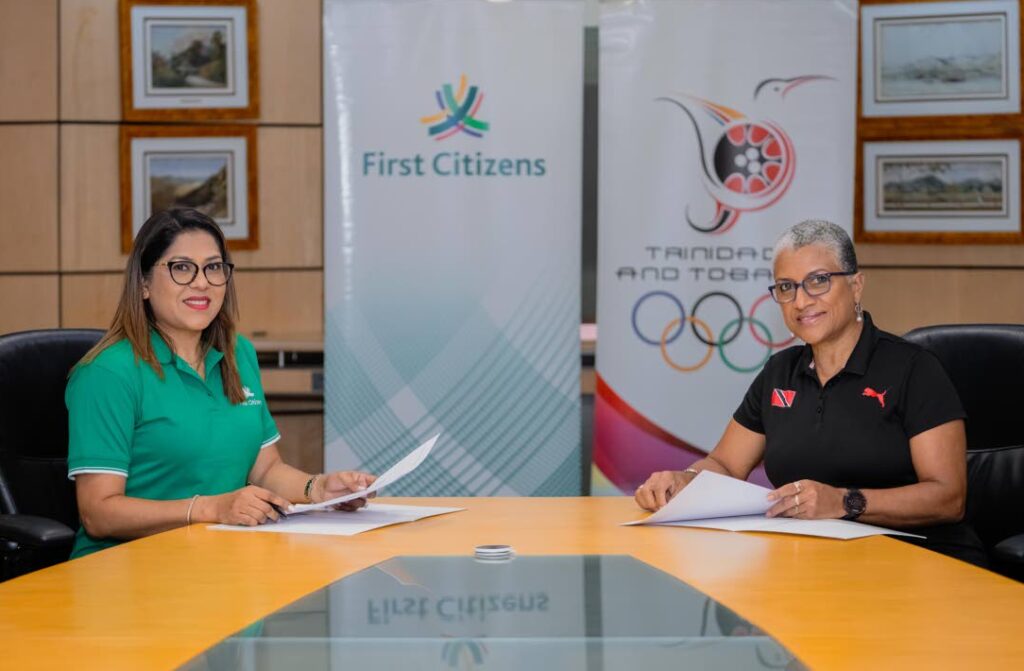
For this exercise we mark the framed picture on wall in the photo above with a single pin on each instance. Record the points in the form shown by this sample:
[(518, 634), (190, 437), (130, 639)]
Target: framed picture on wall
[(209, 168), (188, 60), (960, 191), (940, 58)]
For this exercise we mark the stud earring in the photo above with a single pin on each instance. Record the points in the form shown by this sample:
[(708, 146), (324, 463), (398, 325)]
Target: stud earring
[(859, 311)]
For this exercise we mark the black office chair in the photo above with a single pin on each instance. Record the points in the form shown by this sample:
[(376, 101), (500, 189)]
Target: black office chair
[(986, 365), (38, 511)]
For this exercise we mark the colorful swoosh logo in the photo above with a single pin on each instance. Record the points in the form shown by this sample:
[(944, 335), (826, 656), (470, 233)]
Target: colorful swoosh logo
[(458, 112)]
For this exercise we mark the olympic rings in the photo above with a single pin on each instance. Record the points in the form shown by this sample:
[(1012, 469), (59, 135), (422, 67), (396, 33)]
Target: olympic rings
[(702, 330), (664, 342), (753, 309), (739, 312), (758, 365), (682, 316)]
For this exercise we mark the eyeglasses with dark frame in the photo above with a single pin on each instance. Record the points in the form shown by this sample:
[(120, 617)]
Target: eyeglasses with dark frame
[(817, 284), (184, 273)]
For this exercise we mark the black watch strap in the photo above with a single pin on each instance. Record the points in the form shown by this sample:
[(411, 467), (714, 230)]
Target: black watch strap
[(854, 504)]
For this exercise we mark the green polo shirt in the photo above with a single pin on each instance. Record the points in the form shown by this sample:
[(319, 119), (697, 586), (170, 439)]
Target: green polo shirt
[(170, 438)]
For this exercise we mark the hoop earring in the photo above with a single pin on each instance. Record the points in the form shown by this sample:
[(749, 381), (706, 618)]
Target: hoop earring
[(859, 311)]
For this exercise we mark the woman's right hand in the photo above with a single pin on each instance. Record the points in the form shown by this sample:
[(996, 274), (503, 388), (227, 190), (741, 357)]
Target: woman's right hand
[(661, 487), (248, 506)]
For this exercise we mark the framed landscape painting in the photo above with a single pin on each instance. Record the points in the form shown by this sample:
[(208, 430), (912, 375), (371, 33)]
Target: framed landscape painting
[(210, 169), (188, 60), (940, 58), (942, 191)]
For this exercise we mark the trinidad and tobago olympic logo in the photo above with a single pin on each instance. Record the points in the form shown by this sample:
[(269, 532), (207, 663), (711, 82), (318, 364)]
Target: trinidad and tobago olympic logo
[(458, 112), (746, 164)]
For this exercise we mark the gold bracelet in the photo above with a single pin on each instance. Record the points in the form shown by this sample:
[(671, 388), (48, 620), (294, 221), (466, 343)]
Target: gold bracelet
[(188, 515)]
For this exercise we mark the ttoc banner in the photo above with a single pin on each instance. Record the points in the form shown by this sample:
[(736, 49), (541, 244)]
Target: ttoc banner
[(722, 123), (452, 189)]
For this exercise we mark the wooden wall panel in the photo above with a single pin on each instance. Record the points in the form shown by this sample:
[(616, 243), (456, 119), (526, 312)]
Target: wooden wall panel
[(90, 84), (940, 255), (287, 380), (291, 220), (290, 200), (28, 60), (290, 61), (288, 302), (28, 197), (89, 301), (281, 303), (903, 299), (302, 438), (28, 302), (90, 216)]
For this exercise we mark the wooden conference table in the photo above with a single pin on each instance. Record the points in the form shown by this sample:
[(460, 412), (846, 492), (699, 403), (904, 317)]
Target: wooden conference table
[(871, 603)]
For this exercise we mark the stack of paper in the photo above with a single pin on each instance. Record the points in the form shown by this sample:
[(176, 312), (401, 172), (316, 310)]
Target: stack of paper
[(714, 501), (319, 518), (406, 465), (341, 523)]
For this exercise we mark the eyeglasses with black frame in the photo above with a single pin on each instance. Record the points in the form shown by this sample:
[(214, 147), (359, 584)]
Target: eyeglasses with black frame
[(817, 284), (184, 273)]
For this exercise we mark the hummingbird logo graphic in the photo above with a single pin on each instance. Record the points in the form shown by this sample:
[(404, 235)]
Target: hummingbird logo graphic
[(746, 164)]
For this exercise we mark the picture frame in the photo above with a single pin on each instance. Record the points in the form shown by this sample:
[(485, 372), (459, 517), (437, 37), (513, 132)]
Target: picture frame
[(187, 60), (209, 168), (940, 58), (951, 191)]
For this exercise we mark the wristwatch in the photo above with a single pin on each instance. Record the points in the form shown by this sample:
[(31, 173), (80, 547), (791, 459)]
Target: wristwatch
[(854, 504)]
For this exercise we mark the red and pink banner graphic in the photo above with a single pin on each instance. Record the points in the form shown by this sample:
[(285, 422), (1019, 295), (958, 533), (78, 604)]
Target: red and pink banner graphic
[(715, 136)]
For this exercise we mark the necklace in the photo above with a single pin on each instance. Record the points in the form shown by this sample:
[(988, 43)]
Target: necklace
[(197, 365)]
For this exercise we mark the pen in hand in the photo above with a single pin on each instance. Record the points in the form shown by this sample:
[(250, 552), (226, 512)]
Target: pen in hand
[(280, 511)]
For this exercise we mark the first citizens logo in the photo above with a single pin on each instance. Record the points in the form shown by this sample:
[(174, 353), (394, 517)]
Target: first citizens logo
[(457, 117), (250, 397), (455, 114)]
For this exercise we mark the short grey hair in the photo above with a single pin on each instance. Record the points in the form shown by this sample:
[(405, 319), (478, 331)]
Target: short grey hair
[(820, 232)]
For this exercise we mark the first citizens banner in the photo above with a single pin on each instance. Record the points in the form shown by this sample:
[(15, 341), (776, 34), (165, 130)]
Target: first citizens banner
[(722, 124), (452, 189)]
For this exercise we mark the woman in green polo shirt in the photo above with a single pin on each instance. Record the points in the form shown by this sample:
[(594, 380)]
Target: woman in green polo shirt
[(167, 417)]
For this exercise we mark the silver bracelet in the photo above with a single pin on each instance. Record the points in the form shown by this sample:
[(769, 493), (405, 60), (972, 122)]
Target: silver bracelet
[(691, 470), (188, 515)]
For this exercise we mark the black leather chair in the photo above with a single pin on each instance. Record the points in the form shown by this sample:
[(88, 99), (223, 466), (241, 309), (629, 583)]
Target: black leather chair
[(38, 512), (986, 365)]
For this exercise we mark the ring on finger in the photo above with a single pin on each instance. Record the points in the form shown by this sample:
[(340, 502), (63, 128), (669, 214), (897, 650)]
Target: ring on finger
[(796, 499), (797, 483)]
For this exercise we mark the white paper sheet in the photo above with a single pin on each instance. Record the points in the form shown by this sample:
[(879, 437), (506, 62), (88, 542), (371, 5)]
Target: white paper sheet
[(406, 465), (711, 495), (714, 501), (841, 529), (342, 523)]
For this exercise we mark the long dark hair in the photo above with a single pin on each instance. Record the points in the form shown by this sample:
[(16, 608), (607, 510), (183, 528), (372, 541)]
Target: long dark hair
[(134, 317)]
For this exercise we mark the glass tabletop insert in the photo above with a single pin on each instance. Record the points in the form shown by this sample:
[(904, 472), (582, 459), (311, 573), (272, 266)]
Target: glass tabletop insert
[(592, 613)]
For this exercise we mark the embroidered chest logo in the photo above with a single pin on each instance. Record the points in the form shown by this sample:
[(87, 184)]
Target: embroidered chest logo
[(783, 398), (879, 395), (250, 398)]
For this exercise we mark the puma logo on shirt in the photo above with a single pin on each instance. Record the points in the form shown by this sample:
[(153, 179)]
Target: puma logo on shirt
[(880, 395)]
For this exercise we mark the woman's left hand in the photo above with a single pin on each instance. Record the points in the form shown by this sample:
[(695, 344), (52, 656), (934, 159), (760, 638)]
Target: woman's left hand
[(807, 500), (339, 483)]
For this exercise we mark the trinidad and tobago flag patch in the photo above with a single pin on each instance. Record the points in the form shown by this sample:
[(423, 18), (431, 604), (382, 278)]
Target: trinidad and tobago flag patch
[(783, 398)]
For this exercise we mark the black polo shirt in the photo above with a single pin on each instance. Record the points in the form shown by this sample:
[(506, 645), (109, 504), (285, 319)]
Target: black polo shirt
[(855, 430)]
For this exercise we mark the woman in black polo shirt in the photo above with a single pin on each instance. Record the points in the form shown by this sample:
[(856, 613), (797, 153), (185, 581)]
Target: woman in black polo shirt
[(856, 424)]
